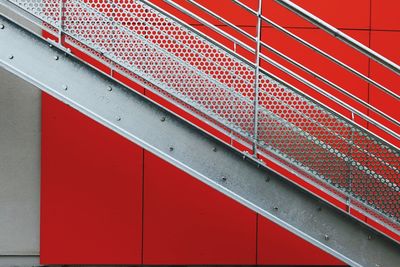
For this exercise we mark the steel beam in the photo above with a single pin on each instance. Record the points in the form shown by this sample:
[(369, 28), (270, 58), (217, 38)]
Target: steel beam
[(190, 149)]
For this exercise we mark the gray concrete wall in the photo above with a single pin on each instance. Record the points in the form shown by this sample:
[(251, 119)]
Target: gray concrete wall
[(19, 171)]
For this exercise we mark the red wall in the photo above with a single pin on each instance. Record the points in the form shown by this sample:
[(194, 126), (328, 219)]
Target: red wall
[(106, 201), (91, 190)]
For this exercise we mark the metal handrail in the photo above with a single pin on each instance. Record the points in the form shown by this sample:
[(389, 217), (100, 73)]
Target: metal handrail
[(340, 35), (294, 75), (252, 38), (319, 51), (271, 114), (297, 64), (326, 132), (235, 40)]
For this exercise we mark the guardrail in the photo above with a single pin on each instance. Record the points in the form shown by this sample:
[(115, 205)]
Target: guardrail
[(343, 37), (258, 109)]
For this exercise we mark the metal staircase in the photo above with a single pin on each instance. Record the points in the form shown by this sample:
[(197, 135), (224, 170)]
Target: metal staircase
[(272, 120)]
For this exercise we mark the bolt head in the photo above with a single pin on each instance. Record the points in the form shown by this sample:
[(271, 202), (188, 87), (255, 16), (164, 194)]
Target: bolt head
[(267, 179), (171, 148), (56, 57), (65, 87), (326, 237), (2, 26), (118, 118), (275, 208), (162, 118), (223, 178), (10, 57), (214, 149), (109, 88)]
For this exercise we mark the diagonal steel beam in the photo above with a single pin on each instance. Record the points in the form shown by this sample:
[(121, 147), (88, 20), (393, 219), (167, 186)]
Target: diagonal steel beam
[(188, 148)]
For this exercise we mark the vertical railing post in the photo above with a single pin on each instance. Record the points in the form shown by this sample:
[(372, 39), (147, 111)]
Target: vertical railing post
[(236, 77), (256, 78), (60, 30), (348, 200)]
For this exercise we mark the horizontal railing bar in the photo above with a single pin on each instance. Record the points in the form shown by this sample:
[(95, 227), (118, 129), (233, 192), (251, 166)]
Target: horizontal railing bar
[(217, 83), (348, 120), (297, 64), (210, 25), (198, 32), (321, 52), (330, 83), (340, 35), (274, 63), (221, 19), (263, 109), (328, 95), (251, 64)]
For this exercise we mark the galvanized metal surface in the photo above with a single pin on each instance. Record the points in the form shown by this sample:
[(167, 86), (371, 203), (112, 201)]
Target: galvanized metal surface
[(19, 171), (207, 159), (292, 129)]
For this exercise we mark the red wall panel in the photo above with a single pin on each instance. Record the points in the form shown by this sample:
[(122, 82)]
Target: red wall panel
[(92, 178), (187, 222), (321, 65), (385, 15), (235, 15), (277, 246), (387, 43), (352, 14), (91, 192)]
